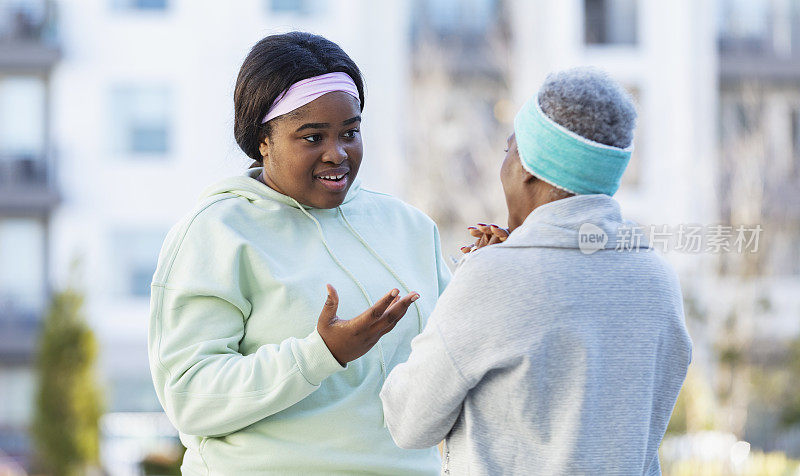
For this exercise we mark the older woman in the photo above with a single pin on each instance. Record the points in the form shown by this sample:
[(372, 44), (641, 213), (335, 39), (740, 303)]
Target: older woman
[(546, 355), (249, 356)]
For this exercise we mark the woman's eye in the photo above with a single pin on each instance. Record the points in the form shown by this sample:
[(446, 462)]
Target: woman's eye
[(312, 138), (351, 133)]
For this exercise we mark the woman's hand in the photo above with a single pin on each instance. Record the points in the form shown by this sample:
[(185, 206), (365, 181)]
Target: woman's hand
[(486, 235), (350, 339)]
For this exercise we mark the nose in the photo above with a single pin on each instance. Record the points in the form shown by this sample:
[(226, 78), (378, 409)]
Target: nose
[(335, 154)]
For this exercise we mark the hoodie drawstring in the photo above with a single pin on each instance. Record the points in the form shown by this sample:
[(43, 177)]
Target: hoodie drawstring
[(385, 265), (355, 280)]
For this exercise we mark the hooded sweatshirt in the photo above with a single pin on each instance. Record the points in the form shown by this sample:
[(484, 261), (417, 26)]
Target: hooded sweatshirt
[(236, 359), (547, 357)]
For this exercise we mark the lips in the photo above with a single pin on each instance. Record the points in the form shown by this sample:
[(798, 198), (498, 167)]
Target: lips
[(334, 180)]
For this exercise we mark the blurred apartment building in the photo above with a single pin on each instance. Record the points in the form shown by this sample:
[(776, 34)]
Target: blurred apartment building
[(29, 195), (717, 86), (696, 69), (137, 98)]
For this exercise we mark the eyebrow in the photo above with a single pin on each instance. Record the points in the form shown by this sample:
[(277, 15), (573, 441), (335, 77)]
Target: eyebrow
[(323, 125)]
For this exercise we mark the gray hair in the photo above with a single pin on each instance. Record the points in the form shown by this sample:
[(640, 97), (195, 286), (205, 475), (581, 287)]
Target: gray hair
[(591, 104)]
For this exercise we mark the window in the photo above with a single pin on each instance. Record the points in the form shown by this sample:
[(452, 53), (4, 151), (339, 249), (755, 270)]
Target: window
[(744, 25), (22, 117), (459, 16), (154, 5), (136, 254), (610, 22), (140, 118), (289, 6), (22, 265), (25, 20), (17, 387)]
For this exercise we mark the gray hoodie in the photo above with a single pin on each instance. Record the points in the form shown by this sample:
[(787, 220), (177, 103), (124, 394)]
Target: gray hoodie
[(542, 357)]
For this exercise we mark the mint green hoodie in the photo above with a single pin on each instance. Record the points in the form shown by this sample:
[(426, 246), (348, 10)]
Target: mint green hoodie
[(234, 353)]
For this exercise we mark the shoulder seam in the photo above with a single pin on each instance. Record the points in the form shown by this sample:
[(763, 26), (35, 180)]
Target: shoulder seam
[(185, 230)]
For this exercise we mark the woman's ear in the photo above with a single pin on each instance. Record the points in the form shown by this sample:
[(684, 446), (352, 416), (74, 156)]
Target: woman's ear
[(263, 149)]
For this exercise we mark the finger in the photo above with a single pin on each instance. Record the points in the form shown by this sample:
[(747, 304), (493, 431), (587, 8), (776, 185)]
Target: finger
[(385, 325), (475, 232), (468, 248), (499, 232), (330, 307), (377, 309), (482, 241), (483, 227), (397, 310), (494, 240)]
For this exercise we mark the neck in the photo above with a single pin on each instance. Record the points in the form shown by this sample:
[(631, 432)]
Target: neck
[(263, 179), (539, 193)]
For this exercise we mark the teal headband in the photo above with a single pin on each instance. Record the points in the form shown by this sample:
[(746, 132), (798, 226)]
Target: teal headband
[(563, 158)]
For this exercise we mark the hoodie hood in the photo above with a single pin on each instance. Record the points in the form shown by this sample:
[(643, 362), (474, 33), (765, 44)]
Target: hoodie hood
[(247, 185), (586, 222)]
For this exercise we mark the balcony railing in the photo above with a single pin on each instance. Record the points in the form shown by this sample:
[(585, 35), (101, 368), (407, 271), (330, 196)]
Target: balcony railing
[(758, 58), (28, 183), (759, 40), (23, 171), (27, 22), (28, 34)]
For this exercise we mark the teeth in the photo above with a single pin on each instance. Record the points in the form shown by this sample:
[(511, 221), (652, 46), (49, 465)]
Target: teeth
[(332, 177)]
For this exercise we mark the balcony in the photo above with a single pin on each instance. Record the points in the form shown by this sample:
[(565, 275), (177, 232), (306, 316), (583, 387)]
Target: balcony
[(462, 36), (27, 185), (19, 333), (27, 36), (757, 59), (759, 41)]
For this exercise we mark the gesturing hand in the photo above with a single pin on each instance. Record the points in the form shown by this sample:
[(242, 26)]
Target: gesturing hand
[(350, 339), (486, 235)]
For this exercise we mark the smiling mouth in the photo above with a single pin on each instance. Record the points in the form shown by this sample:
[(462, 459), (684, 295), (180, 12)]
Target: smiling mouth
[(334, 183), (332, 178)]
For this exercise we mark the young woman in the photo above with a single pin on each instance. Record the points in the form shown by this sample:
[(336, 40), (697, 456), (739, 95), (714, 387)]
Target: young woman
[(276, 304)]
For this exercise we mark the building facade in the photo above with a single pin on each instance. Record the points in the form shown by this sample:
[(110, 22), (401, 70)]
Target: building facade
[(137, 101), (29, 195)]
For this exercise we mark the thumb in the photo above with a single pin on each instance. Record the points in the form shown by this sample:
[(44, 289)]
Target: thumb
[(328, 313)]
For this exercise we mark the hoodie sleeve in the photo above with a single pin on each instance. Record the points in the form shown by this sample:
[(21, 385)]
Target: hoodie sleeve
[(206, 386), (422, 397)]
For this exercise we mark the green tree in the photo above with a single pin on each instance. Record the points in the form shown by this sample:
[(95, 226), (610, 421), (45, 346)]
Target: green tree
[(790, 414), (68, 403)]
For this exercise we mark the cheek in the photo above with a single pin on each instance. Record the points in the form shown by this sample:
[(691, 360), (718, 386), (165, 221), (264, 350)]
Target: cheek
[(355, 150), (289, 163), (504, 171)]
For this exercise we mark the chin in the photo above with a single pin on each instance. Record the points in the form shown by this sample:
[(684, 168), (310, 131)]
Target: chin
[(331, 202)]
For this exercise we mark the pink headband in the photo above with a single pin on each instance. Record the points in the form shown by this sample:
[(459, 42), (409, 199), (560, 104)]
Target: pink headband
[(306, 90)]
